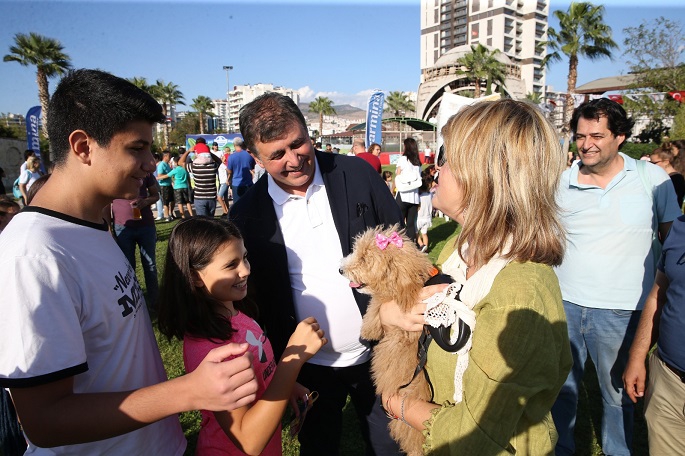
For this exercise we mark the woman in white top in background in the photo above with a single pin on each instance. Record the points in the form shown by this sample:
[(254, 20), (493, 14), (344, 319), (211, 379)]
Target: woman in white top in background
[(409, 200), (29, 176)]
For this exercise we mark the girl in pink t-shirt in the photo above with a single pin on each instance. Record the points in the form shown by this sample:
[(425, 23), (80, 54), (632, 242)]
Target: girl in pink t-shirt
[(204, 283)]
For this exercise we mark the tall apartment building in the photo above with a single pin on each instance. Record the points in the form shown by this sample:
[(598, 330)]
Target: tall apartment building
[(227, 112), (515, 27)]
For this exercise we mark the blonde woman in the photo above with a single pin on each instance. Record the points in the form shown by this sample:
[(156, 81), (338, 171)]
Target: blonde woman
[(503, 163), (29, 176)]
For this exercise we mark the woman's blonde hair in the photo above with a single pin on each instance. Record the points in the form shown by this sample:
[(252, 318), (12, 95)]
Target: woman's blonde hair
[(32, 162), (507, 159)]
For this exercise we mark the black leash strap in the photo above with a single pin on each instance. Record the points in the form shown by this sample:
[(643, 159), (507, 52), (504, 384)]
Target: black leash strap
[(441, 335), (421, 354)]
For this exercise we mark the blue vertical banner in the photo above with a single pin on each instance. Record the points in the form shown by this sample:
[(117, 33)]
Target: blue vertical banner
[(374, 114), (32, 130)]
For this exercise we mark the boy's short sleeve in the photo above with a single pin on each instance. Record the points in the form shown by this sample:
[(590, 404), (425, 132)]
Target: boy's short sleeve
[(41, 336)]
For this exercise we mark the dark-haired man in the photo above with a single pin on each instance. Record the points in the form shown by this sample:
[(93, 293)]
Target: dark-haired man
[(297, 224), (613, 208), (78, 352)]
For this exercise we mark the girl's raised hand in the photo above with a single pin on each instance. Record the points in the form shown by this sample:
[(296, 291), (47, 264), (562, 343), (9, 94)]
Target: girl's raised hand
[(307, 339)]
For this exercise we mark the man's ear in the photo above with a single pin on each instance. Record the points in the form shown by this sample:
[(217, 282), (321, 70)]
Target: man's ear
[(79, 143)]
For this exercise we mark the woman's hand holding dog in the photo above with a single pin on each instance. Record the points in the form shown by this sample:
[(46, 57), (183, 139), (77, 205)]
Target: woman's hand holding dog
[(307, 339), (391, 315)]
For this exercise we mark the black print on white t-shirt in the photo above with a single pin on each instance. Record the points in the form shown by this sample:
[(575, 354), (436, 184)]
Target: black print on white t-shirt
[(132, 294)]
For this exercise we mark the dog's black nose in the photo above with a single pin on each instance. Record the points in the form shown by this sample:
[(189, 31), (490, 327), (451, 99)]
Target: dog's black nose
[(340, 271)]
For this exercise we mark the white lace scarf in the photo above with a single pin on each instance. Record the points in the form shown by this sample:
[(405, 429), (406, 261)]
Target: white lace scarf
[(457, 302)]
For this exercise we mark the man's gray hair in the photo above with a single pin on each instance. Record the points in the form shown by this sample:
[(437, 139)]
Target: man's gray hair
[(238, 142)]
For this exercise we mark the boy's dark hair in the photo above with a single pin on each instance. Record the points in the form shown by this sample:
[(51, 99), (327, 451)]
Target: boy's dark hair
[(267, 118), (618, 121), (200, 141), (184, 308), (387, 174), (98, 103), (28, 153), (411, 151)]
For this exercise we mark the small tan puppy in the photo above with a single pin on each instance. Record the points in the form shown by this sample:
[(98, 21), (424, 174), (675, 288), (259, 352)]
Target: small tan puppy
[(388, 266)]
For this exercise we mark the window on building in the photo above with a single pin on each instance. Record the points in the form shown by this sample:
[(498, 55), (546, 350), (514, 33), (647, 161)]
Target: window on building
[(475, 31), (489, 42), (489, 27), (490, 2), (435, 40), (437, 15), (475, 6)]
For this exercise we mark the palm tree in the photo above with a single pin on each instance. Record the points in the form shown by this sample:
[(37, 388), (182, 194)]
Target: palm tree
[(202, 105), (398, 102), (48, 57), (169, 95), (482, 64), (322, 106), (142, 84), (583, 33), (535, 97)]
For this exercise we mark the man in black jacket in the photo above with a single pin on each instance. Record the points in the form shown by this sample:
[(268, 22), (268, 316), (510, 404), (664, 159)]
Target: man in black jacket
[(298, 223)]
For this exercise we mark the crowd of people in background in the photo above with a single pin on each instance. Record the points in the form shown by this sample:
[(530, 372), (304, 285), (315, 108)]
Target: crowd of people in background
[(554, 266)]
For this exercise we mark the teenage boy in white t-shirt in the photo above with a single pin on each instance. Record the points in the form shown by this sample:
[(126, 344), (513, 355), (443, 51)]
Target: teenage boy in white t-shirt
[(78, 352)]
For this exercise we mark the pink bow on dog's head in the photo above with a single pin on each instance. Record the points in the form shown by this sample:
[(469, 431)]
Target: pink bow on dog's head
[(383, 241)]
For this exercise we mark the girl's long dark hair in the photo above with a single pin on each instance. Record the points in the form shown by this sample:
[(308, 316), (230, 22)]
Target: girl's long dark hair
[(184, 308), (411, 151)]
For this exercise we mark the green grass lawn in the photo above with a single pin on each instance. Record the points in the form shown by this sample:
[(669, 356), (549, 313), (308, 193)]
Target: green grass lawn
[(589, 414)]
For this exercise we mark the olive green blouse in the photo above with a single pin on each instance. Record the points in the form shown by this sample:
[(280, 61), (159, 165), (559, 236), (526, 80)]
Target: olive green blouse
[(519, 360)]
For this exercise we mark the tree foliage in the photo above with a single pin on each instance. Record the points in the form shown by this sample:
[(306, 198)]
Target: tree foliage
[(203, 105), (397, 102), (535, 97), (678, 128), (142, 84), (323, 106), (654, 51), (582, 33), (169, 95), (47, 55), (189, 125), (481, 64)]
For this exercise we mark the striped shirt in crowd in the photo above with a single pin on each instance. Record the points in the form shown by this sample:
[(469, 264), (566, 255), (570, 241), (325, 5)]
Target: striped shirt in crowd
[(205, 180)]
